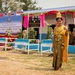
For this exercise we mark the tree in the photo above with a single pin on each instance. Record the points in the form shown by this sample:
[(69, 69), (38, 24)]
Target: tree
[(0, 5), (18, 5), (30, 5), (11, 5)]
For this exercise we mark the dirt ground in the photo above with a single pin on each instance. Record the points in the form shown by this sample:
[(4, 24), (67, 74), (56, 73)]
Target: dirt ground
[(20, 63)]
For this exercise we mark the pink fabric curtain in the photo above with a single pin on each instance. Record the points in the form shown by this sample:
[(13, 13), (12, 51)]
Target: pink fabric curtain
[(74, 18), (26, 21), (42, 18)]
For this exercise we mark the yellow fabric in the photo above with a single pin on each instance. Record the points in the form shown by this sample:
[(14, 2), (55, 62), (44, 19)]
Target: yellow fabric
[(65, 51), (62, 31)]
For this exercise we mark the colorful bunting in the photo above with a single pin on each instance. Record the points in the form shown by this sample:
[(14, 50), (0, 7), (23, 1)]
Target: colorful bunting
[(18, 13), (1, 14)]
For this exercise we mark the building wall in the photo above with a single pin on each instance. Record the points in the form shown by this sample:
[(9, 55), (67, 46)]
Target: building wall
[(51, 20)]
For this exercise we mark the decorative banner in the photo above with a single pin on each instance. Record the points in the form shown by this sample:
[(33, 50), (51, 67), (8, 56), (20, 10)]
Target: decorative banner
[(12, 23), (42, 19), (18, 13), (26, 21), (74, 18)]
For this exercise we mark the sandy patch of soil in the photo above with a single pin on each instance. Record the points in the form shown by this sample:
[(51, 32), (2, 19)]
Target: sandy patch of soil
[(17, 63)]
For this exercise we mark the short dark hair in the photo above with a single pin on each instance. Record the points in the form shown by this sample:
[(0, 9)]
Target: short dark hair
[(58, 18)]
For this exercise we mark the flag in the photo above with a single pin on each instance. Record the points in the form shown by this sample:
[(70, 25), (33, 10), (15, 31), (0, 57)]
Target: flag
[(42, 19), (1, 14), (12, 13), (9, 14), (18, 13)]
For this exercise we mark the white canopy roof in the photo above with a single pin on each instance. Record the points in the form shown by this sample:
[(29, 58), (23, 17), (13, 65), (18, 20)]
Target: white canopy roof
[(51, 9)]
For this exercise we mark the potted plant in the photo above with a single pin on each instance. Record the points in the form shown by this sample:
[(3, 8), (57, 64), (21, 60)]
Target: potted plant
[(32, 33), (9, 40), (20, 34)]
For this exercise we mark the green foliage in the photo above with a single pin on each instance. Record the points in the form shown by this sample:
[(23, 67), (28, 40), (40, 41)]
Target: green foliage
[(32, 33), (30, 5), (49, 32), (9, 32), (0, 5), (20, 34), (9, 43), (32, 41), (17, 5)]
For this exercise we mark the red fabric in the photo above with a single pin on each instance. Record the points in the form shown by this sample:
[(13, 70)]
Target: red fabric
[(1, 14), (53, 12), (67, 12), (30, 15), (74, 14), (18, 13)]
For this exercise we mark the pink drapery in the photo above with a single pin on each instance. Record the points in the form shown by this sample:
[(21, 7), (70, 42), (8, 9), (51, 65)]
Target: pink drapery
[(26, 21), (74, 18), (42, 19)]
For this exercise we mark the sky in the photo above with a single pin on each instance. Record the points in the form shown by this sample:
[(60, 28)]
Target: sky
[(55, 3)]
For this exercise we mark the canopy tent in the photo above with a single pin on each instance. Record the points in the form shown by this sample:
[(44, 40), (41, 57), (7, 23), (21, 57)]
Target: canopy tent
[(62, 9), (42, 12), (30, 13)]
